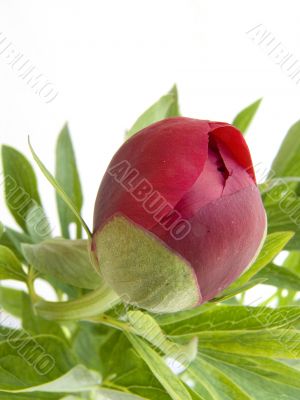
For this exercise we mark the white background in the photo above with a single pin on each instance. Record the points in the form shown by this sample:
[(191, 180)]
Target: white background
[(111, 59)]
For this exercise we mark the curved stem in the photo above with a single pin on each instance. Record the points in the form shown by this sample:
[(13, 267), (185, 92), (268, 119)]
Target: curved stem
[(111, 322), (88, 306), (60, 191), (30, 284)]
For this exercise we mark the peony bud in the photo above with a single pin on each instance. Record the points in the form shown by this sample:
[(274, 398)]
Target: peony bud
[(178, 216)]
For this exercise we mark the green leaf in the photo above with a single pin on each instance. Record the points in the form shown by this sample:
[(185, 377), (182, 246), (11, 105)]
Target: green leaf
[(283, 215), (126, 369), (251, 331), (235, 319), (146, 327), (87, 342), (290, 278), (11, 300), (160, 370), (212, 383), (34, 324), (274, 243), (165, 107), (280, 277), (20, 185), (269, 379), (78, 379), (60, 191), (277, 343), (245, 117), (6, 328), (28, 361), (31, 396), (174, 110), (230, 293), (10, 266), (273, 183), (38, 226), (167, 319), (108, 394), (292, 262), (13, 240), (66, 260), (62, 288), (67, 176), (287, 160), (1, 229)]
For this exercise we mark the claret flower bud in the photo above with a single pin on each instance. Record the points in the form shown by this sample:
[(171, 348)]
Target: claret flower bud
[(178, 215)]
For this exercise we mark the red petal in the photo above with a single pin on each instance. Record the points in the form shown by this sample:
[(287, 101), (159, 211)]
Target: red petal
[(231, 141), (170, 155), (222, 174)]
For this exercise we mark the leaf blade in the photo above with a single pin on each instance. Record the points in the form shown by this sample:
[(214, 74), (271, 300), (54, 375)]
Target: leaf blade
[(21, 367), (168, 380), (66, 260), (165, 107), (20, 185), (226, 318), (274, 243), (280, 277), (269, 378), (10, 266), (287, 162), (244, 118), (59, 190), (68, 177), (78, 379)]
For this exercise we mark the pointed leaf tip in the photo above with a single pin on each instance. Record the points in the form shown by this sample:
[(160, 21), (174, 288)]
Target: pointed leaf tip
[(244, 118)]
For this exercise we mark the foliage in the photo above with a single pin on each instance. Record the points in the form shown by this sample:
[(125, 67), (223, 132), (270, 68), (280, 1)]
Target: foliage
[(222, 350)]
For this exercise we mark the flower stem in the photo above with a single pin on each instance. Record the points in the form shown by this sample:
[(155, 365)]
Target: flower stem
[(88, 306), (111, 322), (30, 285)]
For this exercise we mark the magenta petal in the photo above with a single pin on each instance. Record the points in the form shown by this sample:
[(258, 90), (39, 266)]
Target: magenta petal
[(224, 238), (208, 187)]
